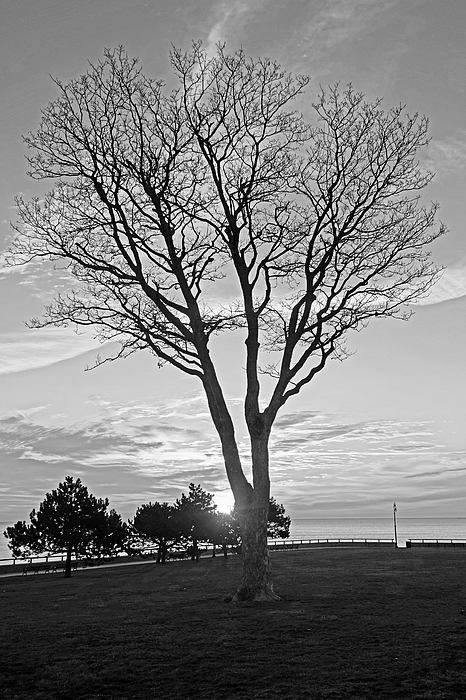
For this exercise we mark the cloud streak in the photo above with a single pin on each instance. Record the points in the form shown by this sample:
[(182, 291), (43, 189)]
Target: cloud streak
[(25, 350), (451, 285), (334, 24), (229, 18), (134, 455), (446, 157)]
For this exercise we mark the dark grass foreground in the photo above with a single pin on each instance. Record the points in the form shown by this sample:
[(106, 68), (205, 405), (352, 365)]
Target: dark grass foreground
[(368, 623)]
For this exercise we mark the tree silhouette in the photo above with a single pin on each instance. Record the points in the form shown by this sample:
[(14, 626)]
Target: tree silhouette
[(195, 516), (110, 535), (224, 532), (278, 524), (158, 524), (315, 223), (69, 520)]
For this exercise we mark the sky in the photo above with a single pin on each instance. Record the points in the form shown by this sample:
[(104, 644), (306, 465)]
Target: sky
[(388, 424)]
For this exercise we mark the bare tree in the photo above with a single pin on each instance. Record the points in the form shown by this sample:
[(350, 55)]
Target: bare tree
[(159, 195)]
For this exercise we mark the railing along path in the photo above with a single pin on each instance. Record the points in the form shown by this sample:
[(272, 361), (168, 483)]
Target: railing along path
[(274, 545)]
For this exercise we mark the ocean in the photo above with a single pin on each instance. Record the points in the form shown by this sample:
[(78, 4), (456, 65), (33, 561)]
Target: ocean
[(378, 528), (353, 528)]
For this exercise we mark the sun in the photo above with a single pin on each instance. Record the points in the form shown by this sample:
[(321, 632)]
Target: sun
[(224, 501)]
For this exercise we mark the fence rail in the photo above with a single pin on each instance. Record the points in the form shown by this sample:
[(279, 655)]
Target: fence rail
[(273, 545), (22, 561), (330, 542), (436, 543)]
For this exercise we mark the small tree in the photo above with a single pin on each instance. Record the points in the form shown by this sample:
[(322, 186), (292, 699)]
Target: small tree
[(157, 523), (195, 514), (317, 225), (224, 532), (69, 520), (278, 524)]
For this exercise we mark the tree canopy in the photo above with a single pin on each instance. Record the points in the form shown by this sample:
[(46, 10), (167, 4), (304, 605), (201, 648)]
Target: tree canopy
[(70, 520), (195, 514), (194, 518), (278, 524), (161, 199), (157, 523)]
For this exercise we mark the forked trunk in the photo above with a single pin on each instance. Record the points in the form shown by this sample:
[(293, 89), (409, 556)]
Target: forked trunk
[(256, 583), (251, 501)]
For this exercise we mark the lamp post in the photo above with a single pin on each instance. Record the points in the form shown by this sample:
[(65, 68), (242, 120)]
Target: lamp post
[(394, 523)]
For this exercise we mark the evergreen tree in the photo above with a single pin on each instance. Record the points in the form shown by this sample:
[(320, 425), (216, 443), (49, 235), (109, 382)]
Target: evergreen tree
[(225, 532), (157, 523), (69, 520), (278, 524), (195, 516), (110, 535)]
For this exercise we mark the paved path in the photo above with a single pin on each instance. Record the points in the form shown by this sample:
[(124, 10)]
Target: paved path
[(19, 567)]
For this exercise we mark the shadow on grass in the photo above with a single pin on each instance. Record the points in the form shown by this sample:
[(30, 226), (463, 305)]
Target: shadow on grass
[(361, 624)]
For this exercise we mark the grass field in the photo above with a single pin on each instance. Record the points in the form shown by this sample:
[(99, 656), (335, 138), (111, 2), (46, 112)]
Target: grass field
[(356, 623)]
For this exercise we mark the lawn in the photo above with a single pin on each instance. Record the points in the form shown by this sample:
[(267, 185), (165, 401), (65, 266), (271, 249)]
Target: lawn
[(353, 624)]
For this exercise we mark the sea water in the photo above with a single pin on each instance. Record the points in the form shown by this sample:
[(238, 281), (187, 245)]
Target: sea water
[(4, 551), (378, 528), (353, 528)]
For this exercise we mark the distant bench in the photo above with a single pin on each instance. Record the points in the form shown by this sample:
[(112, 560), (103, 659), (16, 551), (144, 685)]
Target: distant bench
[(177, 554), (35, 568)]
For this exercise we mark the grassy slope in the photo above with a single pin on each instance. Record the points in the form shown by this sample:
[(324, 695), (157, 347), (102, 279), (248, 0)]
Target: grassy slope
[(354, 624)]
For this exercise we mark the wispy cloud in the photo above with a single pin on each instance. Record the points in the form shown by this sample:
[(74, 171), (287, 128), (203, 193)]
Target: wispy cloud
[(337, 22), (320, 463), (451, 285), (446, 157), (228, 19), (227, 15), (148, 458), (29, 349), (330, 24), (136, 454)]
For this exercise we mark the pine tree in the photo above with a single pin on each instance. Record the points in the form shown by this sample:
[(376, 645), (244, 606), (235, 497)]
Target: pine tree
[(70, 520)]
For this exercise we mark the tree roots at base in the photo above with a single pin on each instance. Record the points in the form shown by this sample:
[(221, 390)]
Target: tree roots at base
[(244, 594)]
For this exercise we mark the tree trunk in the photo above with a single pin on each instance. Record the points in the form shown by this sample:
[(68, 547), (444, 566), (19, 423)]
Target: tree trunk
[(161, 552), (256, 583), (195, 550), (164, 550), (68, 561), (252, 501)]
